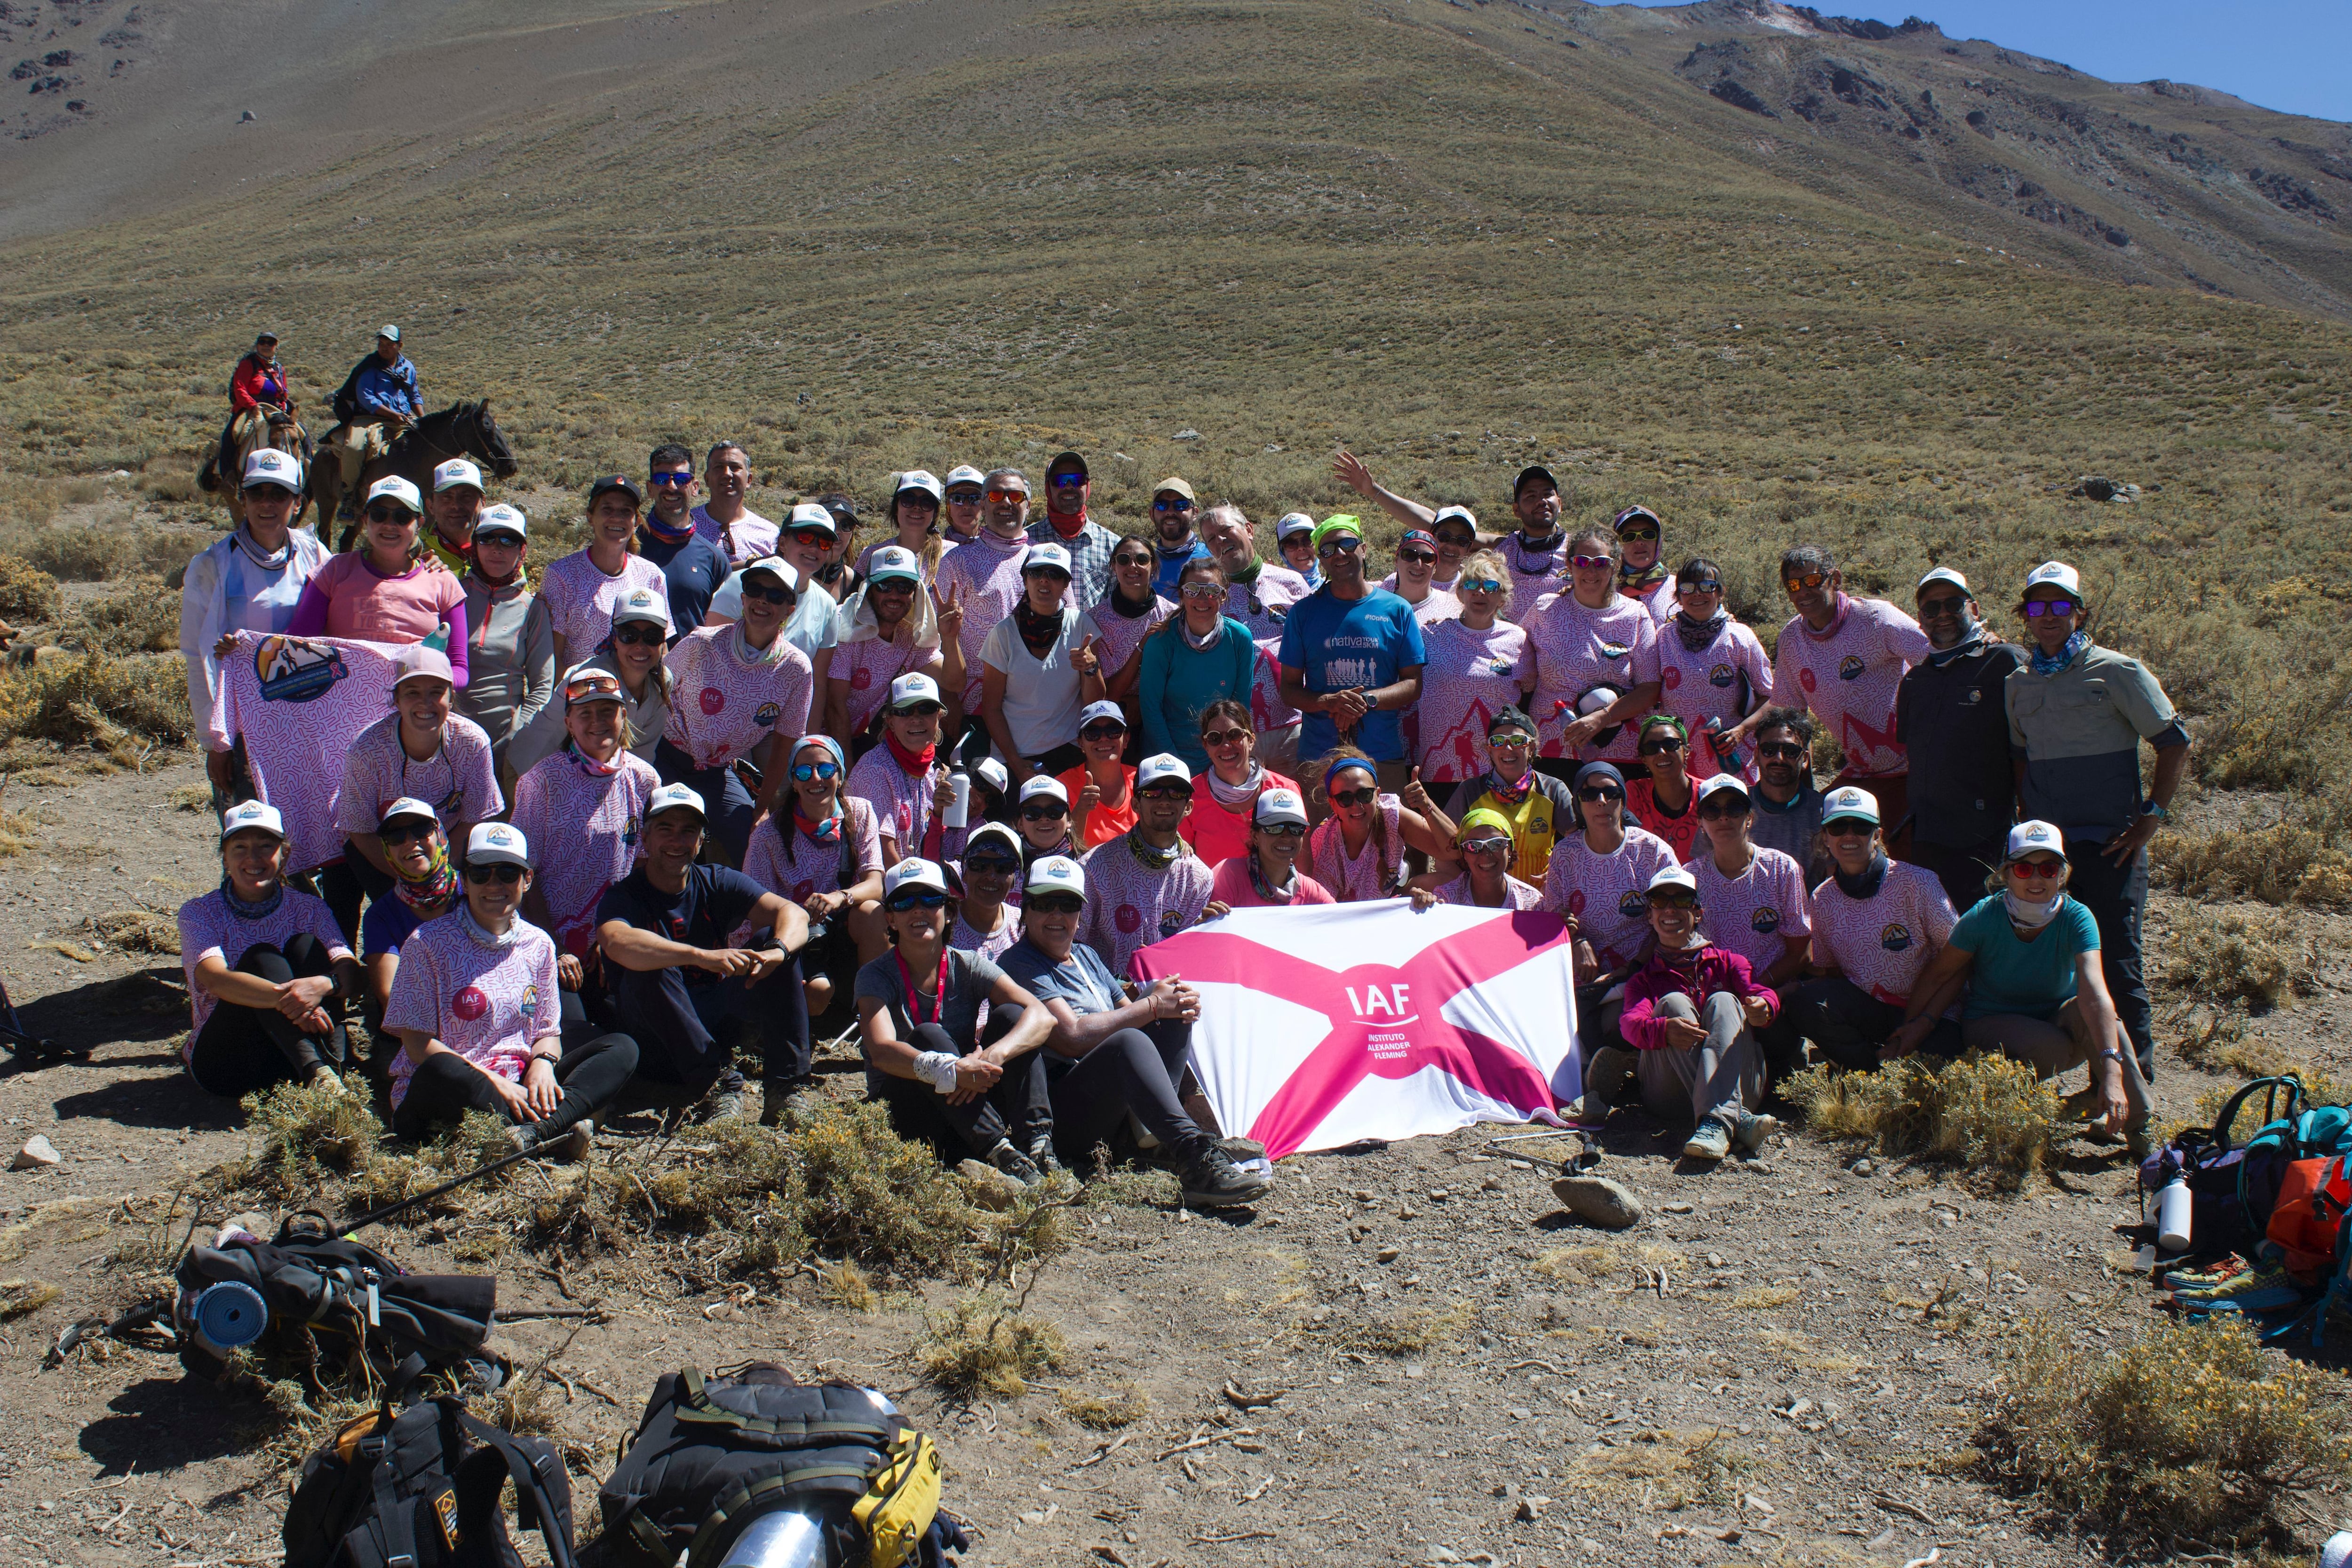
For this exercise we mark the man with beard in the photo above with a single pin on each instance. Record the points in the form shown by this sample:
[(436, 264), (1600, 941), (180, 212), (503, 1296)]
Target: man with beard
[(979, 583), (1147, 885), (1065, 523), (1787, 804), (1533, 552), (1950, 717), (1174, 508)]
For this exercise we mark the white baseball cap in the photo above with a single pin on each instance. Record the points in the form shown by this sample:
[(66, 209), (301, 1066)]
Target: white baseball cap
[(247, 814), (1159, 767), (639, 605), (1004, 832), (388, 330), (1599, 698), (2028, 837), (592, 682), (1043, 556), (775, 566), (1106, 709), (495, 841), (1674, 876), (808, 514), (271, 466), (1293, 522), (920, 479), (502, 519), (1057, 874), (963, 474), (1848, 801), (455, 472), (1723, 784), (992, 772), (2056, 572), (1279, 806), (417, 660), (1043, 783), (893, 560), (911, 688), (399, 490), (672, 797), (406, 805), (1461, 513), (913, 871), (1944, 574)]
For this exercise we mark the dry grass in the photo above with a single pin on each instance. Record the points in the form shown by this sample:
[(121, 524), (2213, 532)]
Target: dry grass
[(983, 1344), (27, 592), (1606, 1263), (142, 619), (1123, 1407), (2284, 863), (113, 703), (1763, 1297), (135, 930), (1985, 1114), (2260, 957), (18, 833), (2189, 1436), (1678, 1468), (1405, 1333), (297, 1135), (22, 1297)]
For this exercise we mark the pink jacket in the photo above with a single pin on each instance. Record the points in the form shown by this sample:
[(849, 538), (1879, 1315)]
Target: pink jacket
[(1715, 969)]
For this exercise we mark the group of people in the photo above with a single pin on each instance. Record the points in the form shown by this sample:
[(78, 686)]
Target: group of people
[(639, 817)]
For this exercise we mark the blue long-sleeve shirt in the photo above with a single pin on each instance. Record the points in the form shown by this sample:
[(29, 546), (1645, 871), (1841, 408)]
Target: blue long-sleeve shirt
[(389, 389), (1178, 681)]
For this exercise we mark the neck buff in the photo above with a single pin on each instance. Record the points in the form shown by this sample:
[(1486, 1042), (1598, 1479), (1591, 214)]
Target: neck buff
[(825, 832), (914, 763), (1133, 609), (1697, 634), (1867, 884), (746, 654), (437, 886), (1038, 633), (2028, 915), (1634, 581), (1837, 621), (483, 936), (588, 764), (654, 525), (1972, 641), (995, 543), (2051, 664), (1151, 857), (1204, 643), (1233, 798), (1268, 891), (1071, 529), (260, 909), (521, 578), (1245, 576), (1510, 793), (268, 560)]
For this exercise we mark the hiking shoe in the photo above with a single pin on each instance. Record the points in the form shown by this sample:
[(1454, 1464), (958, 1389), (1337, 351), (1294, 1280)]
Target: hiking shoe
[(328, 1078), (1041, 1154), (1241, 1150), (725, 1102), (1597, 1200), (1710, 1140), (1753, 1129), (2268, 1277), (1013, 1162), (1211, 1180), (788, 1106)]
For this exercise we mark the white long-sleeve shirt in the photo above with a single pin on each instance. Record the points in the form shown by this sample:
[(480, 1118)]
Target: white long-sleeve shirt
[(227, 589)]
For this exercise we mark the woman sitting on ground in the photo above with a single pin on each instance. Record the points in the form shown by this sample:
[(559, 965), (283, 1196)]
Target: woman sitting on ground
[(820, 847), (268, 971), (1483, 844), (1268, 873), (475, 1005), (1691, 1014), (921, 1008), (1599, 881), (984, 924), (426, 886), (1661, 796), (1219, 825), (589, 798), (2029, 956), (1359, 852)]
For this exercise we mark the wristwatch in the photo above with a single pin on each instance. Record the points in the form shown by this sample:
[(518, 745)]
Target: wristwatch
[(1372, 701), (2156, 811)]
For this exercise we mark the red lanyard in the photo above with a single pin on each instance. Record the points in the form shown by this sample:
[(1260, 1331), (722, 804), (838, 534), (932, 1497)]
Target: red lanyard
[(914, 997)]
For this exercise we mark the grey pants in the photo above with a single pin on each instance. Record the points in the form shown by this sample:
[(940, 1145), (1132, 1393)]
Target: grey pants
[(1721, 1076), (2052, 1046)]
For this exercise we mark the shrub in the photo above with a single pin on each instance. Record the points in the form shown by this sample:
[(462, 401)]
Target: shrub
[(2260, 957), (27, 592), (2186, 1434), (97, 699), (983, 1346), (143, 619), (2284, 863), (297, 1133), (1123, 1407), (1985, 1113)]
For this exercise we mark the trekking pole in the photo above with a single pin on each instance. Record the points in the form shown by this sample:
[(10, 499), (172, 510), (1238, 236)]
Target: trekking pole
[(452, 1184)]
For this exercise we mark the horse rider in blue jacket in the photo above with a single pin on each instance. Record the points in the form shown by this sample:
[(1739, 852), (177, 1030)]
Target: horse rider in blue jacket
[(377, 401)]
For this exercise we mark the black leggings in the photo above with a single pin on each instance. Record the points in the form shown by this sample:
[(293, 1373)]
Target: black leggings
[(240, 1049), (348, 883), (1133, 1070), (1847, 1024), (446, 1086), (1019, 1108)]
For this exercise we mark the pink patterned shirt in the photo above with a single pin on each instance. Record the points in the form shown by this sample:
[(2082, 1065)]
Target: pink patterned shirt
[(1119, 635), (1517, 895), (1710, 682), (1881, 943), (1129, 906), (1579, 649), (1607, 894), (458, 781), (902, 804), (1756, 913), (987, 574), (580, 597), (1470, 675), (1263, 606), (868, 667), (795, 867), (721, 708), (1848, 677), (208, 927), (581, 821), (1534, 572), (1374, 872), (486, 1004), (986, 944)]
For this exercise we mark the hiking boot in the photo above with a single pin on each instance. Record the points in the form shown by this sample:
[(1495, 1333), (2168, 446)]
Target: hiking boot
[(726, 1100), (1752, 1129), (1013, 1162), (1041, 1154), (1211, 1180), (327, 1077), (1597, 1200), (1710, 1140), (783, 1105)]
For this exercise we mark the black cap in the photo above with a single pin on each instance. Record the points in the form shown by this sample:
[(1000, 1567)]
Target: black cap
[(1600, 771), (1068, 460), (1514, 718), (622, 482), (1638, 513), (1538, 472)]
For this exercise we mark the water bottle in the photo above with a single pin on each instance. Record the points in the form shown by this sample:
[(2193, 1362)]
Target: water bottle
[(959, 808), (778, 1540), (2337, 1553), (1728, 757), (2173, 1209)]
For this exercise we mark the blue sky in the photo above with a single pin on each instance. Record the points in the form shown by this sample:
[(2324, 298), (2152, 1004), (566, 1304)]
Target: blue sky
[(2290, 54)]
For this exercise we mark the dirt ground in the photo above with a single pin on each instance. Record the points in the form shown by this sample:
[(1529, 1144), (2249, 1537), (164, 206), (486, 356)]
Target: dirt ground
[(1754, 1375)]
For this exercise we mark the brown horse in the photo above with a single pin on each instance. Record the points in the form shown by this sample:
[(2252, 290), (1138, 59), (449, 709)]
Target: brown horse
[(460, 430), (248, 434)]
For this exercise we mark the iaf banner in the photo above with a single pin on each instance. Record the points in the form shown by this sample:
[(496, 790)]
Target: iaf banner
[(1326, 1024)]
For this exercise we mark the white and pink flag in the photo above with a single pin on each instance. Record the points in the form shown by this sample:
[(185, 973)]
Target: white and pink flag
[(300, 702), (1326, 1024)]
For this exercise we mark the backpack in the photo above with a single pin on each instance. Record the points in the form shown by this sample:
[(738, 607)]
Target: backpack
[(715, 1454), (420, 1489), (2314, 1200), (2234, 1187)]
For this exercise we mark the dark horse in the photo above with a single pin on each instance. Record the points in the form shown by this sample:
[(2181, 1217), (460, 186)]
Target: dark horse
[(460, 430)]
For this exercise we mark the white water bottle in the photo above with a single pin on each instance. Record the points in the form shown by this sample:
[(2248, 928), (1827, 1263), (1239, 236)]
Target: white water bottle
[(2337, 1553), (959, 809), (2172, 1216)]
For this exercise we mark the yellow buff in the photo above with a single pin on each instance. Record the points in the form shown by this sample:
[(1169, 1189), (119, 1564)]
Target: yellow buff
[(1345, 522)]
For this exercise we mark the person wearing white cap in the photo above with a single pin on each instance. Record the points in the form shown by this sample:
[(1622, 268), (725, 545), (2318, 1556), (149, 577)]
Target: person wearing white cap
[(589, 798), (726, 518), (512, 673), (1877, 925), (581, 588), (983, 880), (1762, 911), (2027, 959), (740, 688), (1101, 789), (1950, 716), (693, 566), (379, 399), (889, 628), (391, 589), (1118, 1049), (951, 1039), (905, 778), (267, 969), (1145, 884), (424, 878), (967, 496), (914, 519), (452, 509), (815, 624), (819, 849), (1042, 815), (251, 580), (680, 988), (1068, 524), (1843, 658), (477, 1007), (1200, 656), (2077, 715), (1268, 872), (1038, 666), (978, 584), (1294, 540), (419, 750), (1691, 1014), (634, 651)]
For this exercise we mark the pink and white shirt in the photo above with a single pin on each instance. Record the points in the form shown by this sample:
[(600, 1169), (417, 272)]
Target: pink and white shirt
[(1517, 895), (1579, 649), (1534, 572), (1608, 896), (1130, 905), (1848, 676), (1658, 599), (1710, 682), (1883, 943), (788, 863), (459, 782), (990, 945), (1374, 871), (209, 927), (722, 705), (486, 1004), (868, 667), (581, 820), (1470, 675), (580, 597), (1119, 635), (1755, 913), (748, 538), (1435, 605), (986, 572), (902, 804), (1263, 606)]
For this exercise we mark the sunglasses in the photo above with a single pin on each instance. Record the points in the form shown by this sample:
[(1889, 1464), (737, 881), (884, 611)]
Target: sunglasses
[(1202, 591), (1805, 584), (1167, 792), (383, 513), (589, 692), (2037, 606), (811, 536), (1460, 540), (1290, 541), (1418, 557), (1343, 545), (891, 585), (1735, 806), (1064, 481), (965, 498), (1675, 900), (1951, 606), (497, 541), (631, 636), (1179, 504), (1849, 827), (1785, 751), (991, 864), (923, 899), (505, 873), (804, 771), (1507, 740), (1494, 846), (1662, 745), (921, 501), (1352, 797), (1643, 534), (1593, 563), (1102, 729), (1004, 498), (1705, 585), (771, 595), (671, 481), (400, 832), (1479, 586), (1232, 737), (1055, 903), (1043, 811), (1142, 560), (916, 710), (1282, 829), (1600, 792), (2039, 870)]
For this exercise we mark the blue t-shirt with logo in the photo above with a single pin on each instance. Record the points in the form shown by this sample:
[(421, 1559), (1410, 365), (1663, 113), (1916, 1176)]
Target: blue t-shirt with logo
[(1342, 643)]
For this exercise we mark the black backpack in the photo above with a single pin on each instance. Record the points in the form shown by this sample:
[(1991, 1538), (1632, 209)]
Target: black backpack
[(714, 1454), (420, 1489)]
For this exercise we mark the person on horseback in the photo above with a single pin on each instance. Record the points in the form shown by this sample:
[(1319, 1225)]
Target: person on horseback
[(376, 402), (258, 388)]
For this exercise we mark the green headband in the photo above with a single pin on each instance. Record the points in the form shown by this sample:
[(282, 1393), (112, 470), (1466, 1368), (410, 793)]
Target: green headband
[(1345, 522)]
